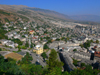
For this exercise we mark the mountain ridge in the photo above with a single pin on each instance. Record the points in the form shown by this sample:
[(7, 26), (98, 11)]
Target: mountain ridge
[(94, 18), (39, 15)]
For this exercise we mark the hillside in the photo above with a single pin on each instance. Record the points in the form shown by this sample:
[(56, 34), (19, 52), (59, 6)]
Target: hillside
[(50, 13), (93, 18), (40, 16), (33, 12)]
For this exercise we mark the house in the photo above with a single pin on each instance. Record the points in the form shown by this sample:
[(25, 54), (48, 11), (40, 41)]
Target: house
[(10, 35), (15, 44), (61, 42), (53, 38), (22, 39), (17, 36), (3, 41), (24, 28), (44, 41), (6, 23), (22, 53), (8, 43), (11, 44), (26, 35), (31, 31), (53, 45), (38, 49)]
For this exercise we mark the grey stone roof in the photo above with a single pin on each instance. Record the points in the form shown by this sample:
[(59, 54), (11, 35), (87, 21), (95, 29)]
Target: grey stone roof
[(22, 53)]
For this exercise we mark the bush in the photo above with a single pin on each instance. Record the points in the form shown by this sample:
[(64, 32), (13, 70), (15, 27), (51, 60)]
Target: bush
[(75, 50)]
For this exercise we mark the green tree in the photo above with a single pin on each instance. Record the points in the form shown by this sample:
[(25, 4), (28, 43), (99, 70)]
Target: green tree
[(26, 59), (36, 70), (82, 64), (53, 61), (97, 41), (0, 49), (17, 41), (57, 39), (27, 44), (45, 46), (55, 71), (75, 50), (18, 48), (87, 44), (81, 45), (44, 55), (49, 41)]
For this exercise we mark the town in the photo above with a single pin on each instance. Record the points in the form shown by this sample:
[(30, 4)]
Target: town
[(73, 41), (42, 41)]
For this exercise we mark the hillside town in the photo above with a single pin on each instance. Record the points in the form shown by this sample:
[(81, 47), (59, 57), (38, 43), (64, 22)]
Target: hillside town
[(73, 42)]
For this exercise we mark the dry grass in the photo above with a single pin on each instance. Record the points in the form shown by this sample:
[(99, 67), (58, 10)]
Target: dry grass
[(14, 56)]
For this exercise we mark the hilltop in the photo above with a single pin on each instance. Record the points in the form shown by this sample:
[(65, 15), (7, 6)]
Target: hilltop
[(28, 14)]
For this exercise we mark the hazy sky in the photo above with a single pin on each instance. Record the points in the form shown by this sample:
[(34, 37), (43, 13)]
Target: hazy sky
[(69, 7)]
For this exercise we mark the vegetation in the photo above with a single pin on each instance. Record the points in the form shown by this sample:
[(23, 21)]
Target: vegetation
[(27, 44), (97, 41), (24, 18), (87, 44), (82, 64), (27, 59), (44, 55), (45, 46), (23, 12), (5, 13), (6, 20), (25, 67), (2, 32), (75, 50), (53, 61), (17, 41), (0, 49), (75, 62), (81, 45)]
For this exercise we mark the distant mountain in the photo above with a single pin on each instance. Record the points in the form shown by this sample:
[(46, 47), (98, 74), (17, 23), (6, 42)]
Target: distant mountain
[(93, 18), (50, 13), (41, 16), (35, 14)]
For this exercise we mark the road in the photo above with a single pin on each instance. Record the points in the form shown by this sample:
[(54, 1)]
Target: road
[(11, 49), (34, 56)]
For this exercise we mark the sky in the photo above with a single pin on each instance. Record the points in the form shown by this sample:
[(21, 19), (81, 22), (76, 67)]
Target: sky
[(68, 7)]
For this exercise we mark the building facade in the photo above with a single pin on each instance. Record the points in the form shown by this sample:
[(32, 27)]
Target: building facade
[(38, 49)]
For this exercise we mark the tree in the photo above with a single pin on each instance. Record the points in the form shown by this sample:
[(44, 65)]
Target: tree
[(87, 44), (44, 55), (26, 59), (17, 41), (81, 45), (36, 70), (97, 41), (91, 41), (53, 61), (82, 64), (27, 44), (55, 71), (62, 38), (18, 48), (0, 49), (75, 62), (57, 39), (45, 46), (49, 41), (75, 50)]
